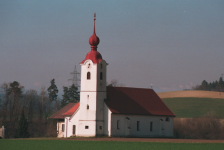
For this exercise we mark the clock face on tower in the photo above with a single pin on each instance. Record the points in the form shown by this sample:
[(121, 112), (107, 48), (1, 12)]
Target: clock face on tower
[(89, 65)]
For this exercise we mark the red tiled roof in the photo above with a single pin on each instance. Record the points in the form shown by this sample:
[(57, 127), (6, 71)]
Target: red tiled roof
[(59, 114), (136, 101), (95, 56), (72, 110)]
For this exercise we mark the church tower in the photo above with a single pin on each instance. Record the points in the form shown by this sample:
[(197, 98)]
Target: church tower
[(93, 90)]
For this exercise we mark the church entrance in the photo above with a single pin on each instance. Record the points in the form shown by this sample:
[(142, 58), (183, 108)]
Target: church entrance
[(73, 131), (127, 126)]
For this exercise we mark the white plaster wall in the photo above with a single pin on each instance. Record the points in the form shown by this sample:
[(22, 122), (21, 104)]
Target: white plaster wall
[(2, 132), (93, 93), (144, 126), (99, 127), (101, 84), (101, 96), (88, 85), (72, 120), (107, 121), (91, 131), (88, 98), (59, 128)]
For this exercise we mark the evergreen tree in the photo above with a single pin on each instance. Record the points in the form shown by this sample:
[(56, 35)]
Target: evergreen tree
[(22, 127), (73, 94), (204, 85), (65, 97), (221, 84), (217, 85), (52, 92), (14, 93)]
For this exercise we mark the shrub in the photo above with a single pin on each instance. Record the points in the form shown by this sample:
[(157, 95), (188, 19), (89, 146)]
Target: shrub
[(22, 127), (208, 127)]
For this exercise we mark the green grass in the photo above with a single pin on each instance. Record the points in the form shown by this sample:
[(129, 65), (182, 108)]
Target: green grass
[(195, 107), (101, 145)]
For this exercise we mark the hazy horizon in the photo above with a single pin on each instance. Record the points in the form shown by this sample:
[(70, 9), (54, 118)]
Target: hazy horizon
[(173, 45)]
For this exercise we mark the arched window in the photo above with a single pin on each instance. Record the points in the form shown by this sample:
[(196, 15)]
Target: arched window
[(88, 75), (101, 75), (101, 66), (87, 106)]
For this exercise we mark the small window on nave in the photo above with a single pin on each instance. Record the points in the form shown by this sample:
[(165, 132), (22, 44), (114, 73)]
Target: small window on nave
[(167, 119), (138, 125), (118, 124)]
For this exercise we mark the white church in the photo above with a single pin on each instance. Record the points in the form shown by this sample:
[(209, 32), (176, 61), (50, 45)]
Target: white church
[(112, 111)]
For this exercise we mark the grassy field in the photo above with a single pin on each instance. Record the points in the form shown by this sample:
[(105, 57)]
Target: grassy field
[(189, 107), (102, 145)]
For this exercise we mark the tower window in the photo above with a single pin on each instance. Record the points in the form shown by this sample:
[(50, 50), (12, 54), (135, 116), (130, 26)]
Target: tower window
[(101, 66), (86, 127), (87, 106), (100, 127), (88, 75), (101, 75)]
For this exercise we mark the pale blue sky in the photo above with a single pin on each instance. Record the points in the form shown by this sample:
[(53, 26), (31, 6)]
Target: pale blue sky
[(172, 44)]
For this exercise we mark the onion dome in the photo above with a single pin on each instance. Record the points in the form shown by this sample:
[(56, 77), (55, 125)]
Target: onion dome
[(94, 40)]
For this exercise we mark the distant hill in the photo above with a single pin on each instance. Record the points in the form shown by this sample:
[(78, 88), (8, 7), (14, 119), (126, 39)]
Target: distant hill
[(189, 104), (191, 93)]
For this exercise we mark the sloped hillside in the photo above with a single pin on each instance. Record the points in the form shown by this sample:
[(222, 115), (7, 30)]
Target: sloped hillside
[(189, 104)]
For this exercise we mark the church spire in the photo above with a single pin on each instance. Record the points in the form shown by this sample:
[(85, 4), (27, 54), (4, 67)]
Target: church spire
[(94, 40), (94, 24)]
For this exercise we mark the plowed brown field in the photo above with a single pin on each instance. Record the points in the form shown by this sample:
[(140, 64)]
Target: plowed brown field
[(200, 94)]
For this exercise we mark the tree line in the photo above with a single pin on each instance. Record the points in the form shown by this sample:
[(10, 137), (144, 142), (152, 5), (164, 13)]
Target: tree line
[(217, 85), (36, 107)]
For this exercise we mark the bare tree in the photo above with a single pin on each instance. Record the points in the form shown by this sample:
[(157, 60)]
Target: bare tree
[(31, 99), (40, 104), (115, 82), (5, 103), (12, 105), (45, 106)]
